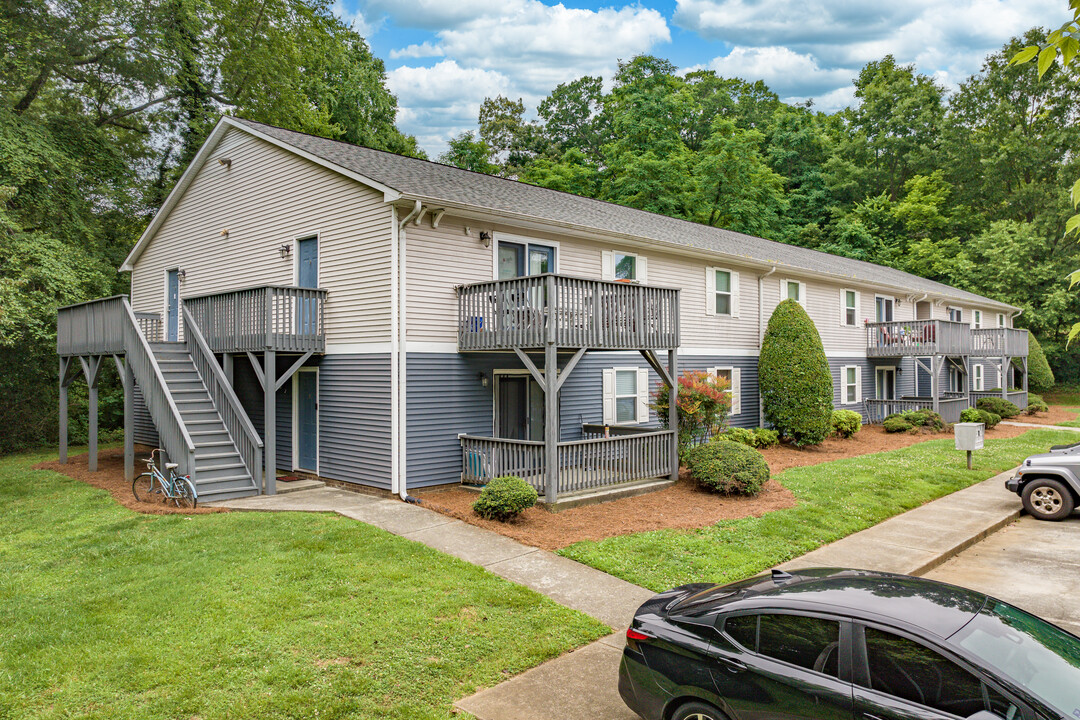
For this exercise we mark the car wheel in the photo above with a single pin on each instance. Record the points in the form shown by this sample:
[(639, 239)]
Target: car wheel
[(698, 711), (1047, 499)]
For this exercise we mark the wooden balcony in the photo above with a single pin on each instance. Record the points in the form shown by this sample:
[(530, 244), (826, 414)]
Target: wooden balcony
[(94, 327), (569, 312), (918, 338), (269, 317), (999, 342)]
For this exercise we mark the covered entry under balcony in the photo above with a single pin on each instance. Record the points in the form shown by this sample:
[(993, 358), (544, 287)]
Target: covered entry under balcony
[(543, 325)]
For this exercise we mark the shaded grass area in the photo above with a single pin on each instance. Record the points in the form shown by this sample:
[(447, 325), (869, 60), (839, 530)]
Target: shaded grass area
[(836, 499), (106, 613), (1072, 423), (1063, 395)]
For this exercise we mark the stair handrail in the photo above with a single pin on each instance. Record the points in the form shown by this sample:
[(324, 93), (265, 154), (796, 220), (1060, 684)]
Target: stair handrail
[(236, 420), (172, 432)]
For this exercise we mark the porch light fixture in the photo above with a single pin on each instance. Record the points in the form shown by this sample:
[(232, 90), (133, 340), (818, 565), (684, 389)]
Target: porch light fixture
[(485, 237), (225, 163), (285, 250), (483, 379), (225, 233), (181, 274)]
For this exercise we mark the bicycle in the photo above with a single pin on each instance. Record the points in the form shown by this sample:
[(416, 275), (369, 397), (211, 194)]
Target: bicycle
[(177, 488)]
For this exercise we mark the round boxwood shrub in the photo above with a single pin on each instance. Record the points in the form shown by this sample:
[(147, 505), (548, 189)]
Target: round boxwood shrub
[(728, 467), (1035, 404), (846, 423), (998, 406), (896, 423), (755, 437), (1040, 376), (504, 498), (980, 416), (793, 377), (765, 437)]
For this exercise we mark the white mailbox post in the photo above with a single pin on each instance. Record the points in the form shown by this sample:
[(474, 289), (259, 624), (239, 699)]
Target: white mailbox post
[(969, 436)]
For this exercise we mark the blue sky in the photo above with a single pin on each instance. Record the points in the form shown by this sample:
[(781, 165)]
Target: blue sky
[(444, 57)]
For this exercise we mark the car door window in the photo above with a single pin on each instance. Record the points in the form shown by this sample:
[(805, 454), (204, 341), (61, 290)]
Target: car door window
[(905, 669), (808, 642)]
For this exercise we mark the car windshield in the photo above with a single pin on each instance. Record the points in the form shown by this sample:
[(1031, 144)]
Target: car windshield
[(1031, 652)]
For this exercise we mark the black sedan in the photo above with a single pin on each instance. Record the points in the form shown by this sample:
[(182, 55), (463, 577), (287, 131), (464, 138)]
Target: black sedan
[(827, 644)]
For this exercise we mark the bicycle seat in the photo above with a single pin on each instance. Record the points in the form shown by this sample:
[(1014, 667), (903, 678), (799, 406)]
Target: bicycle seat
[(171, 466)]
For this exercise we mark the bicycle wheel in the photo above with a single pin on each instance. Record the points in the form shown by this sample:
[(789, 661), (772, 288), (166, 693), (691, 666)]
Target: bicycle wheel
[(144, 487), (185, 496)]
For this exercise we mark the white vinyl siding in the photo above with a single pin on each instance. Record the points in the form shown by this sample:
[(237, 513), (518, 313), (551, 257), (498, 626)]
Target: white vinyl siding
[(625, 266), (721, 292), (977, 377), (849, 307), (626, 396), (734, 377), (850, 385), (793, 290), (266, 198)]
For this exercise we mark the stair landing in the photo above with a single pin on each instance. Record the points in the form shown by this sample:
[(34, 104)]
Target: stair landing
[(289, 486)]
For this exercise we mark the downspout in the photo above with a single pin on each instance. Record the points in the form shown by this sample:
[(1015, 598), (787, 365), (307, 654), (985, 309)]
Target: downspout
[(399, 481), (761, 334)]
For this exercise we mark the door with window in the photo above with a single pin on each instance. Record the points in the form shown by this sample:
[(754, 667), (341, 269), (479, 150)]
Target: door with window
[(883, 307), (307, 276), (519, 407), (793, 668), (885, 383), (307, 419), (897, 678), (172, 306)]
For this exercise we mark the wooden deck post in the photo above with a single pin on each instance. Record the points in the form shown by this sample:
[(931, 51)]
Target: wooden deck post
[(673, 411), (551, 423), (1006, 363), (91, 368), (270, 421), (128, 380), (935, 381), (64, 363), (227, 366)]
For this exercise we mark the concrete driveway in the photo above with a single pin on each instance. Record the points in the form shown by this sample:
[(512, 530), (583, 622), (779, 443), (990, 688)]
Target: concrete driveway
[(1032, 564)]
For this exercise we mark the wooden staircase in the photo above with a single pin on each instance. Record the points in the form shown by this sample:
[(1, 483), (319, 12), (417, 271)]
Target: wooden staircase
[(220, 473)]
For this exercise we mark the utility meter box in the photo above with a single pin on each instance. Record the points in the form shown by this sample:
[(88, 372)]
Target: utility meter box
[(969, 436)]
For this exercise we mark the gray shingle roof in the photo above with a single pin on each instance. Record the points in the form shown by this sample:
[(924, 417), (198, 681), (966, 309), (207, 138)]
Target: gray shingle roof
[(443, 183)]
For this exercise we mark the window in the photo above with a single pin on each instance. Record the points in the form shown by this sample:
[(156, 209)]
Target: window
[(849, 308), (519, 259), (977, 377), (807, 642), (850, 380), (793, 290), (626, 395), (623, 266), (734, 377), (723, 292), (1001, 320), (885, 383), (978, 319), (884, 308), (956, 314), (905, 669)]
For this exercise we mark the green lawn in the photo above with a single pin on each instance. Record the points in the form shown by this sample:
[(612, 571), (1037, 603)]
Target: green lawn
[(836, 499), (1072, 423), (105, 613)]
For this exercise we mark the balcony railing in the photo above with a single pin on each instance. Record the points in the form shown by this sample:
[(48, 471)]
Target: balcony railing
[(999, 342), (532, 311), (95, 327), (269, 317), (583, 464), (948, 407), (1019, 398), (917, 337)]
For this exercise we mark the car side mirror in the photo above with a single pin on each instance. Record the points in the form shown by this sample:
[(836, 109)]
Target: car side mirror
[(984, 715)]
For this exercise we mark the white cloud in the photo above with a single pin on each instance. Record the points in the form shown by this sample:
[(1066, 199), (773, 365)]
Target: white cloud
[(424, 49), (785, 71), (353, 18), (438, 14)]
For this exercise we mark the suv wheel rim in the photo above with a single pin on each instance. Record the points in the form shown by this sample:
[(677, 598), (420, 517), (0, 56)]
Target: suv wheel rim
[(1046, 500)]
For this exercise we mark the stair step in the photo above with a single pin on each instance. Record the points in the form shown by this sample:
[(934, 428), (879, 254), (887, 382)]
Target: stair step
[(200, 467), (218, 474), (297, 485), (230, 455), (165, 346), (188, 391), (213, 444)]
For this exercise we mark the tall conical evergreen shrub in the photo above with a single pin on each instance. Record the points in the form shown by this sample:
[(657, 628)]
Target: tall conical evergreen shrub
[(794, 378), (1040, 376)]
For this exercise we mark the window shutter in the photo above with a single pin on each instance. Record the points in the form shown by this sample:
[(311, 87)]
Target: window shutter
[(858, 383), (734, 294), (609, 396), (642, 270), (802, 293), (736, 391), (843, 307), (643, 395), (843, 384), (607, 265), (858, 313), (710, 291)]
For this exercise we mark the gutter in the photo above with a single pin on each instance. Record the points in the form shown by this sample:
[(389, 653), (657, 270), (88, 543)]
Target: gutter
[(399, 357)]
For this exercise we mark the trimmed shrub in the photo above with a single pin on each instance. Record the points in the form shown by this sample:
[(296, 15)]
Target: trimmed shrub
[(1035, 404), (728, 467), (980, 416), (846, 423), (970, 415), (998, 406), (504, 498), (1040, 376), (896, 423), (794, 380), (702, 406), (755, 438)]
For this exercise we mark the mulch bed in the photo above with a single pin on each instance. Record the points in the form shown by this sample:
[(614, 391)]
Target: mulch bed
[(110, 476), (1058, 414), (682, 506)]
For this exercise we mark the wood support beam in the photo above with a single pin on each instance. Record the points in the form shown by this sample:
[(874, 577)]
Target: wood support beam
[(533, 370), (92, 368), (256, 364), (673, 411), (654, 363), (65, 363), (560, 378), (551, 423), (228, 367), (269, 421), (292, 370)]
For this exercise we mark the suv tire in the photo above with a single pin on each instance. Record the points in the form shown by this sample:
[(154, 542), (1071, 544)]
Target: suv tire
[(697, 711), (1047, 499)]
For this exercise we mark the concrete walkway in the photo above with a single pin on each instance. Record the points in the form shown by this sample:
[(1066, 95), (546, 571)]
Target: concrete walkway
[(1038, 425), (582, 684)]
